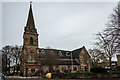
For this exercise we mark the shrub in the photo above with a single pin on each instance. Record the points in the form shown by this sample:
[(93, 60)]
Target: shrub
[(98, 69), (58, 71), (66, 71)]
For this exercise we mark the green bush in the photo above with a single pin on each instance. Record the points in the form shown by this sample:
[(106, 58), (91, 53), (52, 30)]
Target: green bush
[(66, 71), (98, 69)]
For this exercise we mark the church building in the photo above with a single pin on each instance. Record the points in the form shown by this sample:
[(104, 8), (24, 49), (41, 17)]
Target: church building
[(36, 60)]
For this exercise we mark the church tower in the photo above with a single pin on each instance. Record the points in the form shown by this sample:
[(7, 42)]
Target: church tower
[(30, 46)]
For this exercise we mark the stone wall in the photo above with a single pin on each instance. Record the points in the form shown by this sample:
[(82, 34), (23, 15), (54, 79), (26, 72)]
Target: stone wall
[(84, 75)]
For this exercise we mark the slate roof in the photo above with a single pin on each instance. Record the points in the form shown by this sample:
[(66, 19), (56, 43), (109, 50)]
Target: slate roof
[(62, 53), (76, 53)]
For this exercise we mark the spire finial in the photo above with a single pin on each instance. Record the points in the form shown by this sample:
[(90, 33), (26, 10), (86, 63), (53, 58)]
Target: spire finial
[(30, 2)]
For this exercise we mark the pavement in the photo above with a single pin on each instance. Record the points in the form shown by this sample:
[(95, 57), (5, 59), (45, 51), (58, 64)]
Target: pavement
[(40, 78), (54, 79), (21, 77), (32, 78)]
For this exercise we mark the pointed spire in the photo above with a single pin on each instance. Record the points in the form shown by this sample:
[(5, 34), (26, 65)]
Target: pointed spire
[(30, 21), (30, 26)]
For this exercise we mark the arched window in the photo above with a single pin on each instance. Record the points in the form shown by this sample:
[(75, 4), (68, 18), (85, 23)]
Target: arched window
[(31, 41), (31, 57), (32, 70)]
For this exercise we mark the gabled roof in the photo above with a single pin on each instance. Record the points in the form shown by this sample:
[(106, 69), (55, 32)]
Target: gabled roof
[(64, 54), (55, 51), (76, 53)]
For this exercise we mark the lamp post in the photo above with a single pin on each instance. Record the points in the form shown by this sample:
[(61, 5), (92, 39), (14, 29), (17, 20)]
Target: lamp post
[(72, 62)]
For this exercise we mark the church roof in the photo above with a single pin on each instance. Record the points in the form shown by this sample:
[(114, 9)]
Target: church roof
[(76, 52), (63, 54)]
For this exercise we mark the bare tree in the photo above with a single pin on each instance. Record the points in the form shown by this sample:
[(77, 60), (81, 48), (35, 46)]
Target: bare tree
[(16, 53), (7, 51), (109, 39), (97, 56), (11, 56)]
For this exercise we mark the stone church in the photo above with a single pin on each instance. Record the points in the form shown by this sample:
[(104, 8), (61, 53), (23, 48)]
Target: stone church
[(34, 62)]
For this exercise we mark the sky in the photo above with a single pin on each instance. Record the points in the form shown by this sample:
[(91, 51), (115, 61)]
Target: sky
[(60, 25)]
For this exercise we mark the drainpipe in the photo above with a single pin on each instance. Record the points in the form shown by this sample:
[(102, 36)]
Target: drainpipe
[(72, 62)]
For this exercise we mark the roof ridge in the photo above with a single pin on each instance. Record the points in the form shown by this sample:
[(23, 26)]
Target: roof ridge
[(55, 49)]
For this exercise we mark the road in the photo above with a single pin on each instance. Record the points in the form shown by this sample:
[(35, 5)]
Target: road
[(38, 79), (55, 79)]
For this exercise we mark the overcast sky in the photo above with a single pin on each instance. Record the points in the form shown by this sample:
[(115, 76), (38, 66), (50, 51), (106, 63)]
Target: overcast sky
[(61, 25)]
